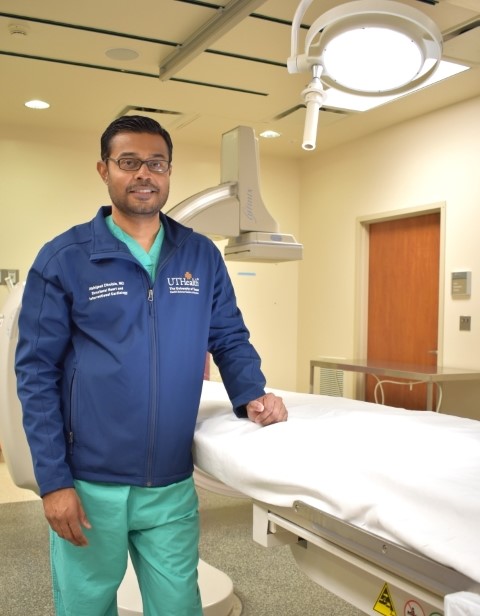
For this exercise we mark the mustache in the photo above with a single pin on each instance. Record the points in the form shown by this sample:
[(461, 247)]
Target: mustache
[(142, 186)]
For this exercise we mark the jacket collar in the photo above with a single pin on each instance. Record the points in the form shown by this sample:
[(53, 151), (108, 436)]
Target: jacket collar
[(104, 241)]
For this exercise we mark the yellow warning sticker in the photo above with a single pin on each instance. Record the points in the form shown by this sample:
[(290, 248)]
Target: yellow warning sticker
[(384, 604)]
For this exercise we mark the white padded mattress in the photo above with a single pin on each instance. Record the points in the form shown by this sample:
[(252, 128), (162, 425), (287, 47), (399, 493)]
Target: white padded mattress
[(412, 477)]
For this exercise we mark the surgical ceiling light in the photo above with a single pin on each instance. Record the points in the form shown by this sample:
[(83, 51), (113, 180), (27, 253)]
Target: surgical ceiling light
[(363, 47)]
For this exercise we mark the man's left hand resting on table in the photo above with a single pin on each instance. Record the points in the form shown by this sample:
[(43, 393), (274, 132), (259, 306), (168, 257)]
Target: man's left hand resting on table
[(267, 409)]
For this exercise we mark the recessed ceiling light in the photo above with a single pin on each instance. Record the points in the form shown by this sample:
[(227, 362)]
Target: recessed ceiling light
[(269, 134), (121, 53), (37, 104)]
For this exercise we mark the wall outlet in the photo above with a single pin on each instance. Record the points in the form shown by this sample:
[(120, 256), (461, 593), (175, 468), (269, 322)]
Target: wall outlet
[(465, 324), (12, 274)]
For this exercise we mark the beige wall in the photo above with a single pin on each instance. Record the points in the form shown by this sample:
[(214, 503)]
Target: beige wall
[(49, 183), (432, 160)]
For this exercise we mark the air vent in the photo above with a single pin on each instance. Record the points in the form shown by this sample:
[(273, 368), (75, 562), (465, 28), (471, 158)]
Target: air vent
[(167, 118), (331, 382), (293, 119)]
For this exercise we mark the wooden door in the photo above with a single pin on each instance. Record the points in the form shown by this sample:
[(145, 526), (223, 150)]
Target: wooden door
[(403, 292)]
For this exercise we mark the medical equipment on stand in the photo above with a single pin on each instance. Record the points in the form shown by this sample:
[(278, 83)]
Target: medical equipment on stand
[(234, 210), (12, 437)]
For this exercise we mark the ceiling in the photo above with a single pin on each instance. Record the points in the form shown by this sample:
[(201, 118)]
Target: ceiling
[(56, 50)]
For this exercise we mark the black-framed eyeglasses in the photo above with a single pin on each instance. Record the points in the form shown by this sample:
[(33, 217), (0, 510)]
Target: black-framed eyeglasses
[(156, 165)]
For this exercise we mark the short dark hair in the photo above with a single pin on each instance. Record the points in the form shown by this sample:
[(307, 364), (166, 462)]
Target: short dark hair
[(133, 124)]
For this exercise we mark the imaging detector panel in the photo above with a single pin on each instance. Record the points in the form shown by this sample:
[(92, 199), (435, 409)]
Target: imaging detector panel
[(12, 437)]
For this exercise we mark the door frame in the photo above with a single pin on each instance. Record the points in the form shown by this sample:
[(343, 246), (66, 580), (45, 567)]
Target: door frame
[(361, 278)]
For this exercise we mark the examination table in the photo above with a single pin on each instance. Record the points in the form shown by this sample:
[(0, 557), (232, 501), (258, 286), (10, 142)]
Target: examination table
[(379, 505)]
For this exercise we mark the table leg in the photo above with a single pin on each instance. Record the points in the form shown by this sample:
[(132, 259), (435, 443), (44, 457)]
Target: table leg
[(429, 396)]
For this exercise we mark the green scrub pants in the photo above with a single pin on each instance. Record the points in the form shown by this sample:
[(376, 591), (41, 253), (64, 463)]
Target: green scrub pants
[(160, 529)]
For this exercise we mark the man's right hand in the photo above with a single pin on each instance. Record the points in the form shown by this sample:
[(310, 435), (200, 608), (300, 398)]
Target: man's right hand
[(66, 516)]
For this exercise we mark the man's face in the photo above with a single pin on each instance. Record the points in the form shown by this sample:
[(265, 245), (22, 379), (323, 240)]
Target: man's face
[(140, 193)]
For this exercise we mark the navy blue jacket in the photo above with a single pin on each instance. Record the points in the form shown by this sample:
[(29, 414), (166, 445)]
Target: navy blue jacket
[(110, 366)]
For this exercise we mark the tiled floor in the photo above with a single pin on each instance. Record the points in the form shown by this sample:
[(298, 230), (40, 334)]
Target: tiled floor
[(9, 493)]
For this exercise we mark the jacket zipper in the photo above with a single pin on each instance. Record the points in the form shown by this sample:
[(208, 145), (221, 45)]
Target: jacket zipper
[(153, 395)]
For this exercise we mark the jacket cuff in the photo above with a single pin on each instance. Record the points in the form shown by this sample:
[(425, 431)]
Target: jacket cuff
[(241, 411)]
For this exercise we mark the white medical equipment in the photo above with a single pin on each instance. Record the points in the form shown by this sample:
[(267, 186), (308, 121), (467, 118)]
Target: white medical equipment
[(365, 29), (379, 505), (234, 210)]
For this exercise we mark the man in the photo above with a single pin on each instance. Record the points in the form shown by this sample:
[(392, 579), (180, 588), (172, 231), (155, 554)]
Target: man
[(117, 318)]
